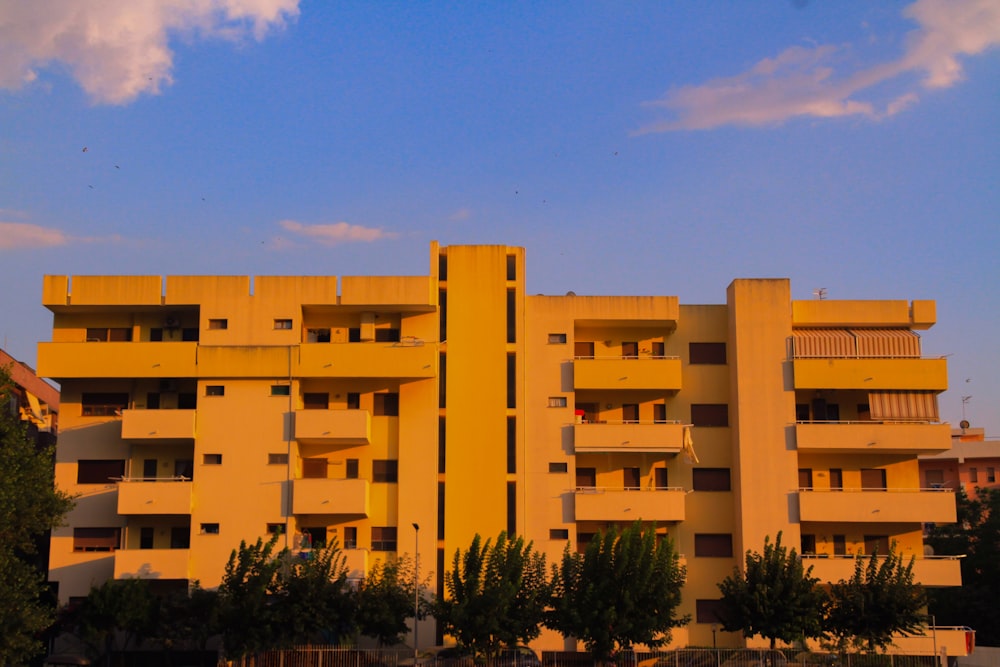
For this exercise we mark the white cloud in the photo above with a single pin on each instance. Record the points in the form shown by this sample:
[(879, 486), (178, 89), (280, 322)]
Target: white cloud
[(332, 233), (118, 49), (811, 81), (25, 235), (461, 215)]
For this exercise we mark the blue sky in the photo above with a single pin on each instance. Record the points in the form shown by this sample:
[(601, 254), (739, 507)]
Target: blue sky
[(631, 147)]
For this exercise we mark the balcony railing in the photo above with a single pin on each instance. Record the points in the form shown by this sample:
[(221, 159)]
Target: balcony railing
[(152, 563), (659, 373), (163, 495), (629, 504), (338, 427), (871, 374), (621, 436), (158, 424), (330, 496), (927, 570), (856, 437), (876, 505)]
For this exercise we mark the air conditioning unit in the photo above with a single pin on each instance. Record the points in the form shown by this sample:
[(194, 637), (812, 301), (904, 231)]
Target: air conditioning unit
[(168, 386)]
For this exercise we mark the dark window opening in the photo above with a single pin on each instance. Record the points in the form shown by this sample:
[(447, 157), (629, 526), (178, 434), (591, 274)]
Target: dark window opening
[(808, 544), (877, 544), (104, 404), (99, 471), (96, 539), (839, 545), (385, 470), (511, 316), (512, 508), (630, 349), (660, 478), (710, 414), (630, 413), (805, 479), (316, 401), (387, 336), (836, 479), (713, 545), (353, 400), (386, 405), (383, 538), (511, 445), (354, 335), (659, 413), (873, 479), (586, 477), (711, 479), (709, 611), (558, 467), (442, 443), (180, 537), (440, 511), (631, 479), (658, 349), (146, 535), (511, 267), (707, 353), (353, 469), (350, 537), (559, 533), (511, 381)]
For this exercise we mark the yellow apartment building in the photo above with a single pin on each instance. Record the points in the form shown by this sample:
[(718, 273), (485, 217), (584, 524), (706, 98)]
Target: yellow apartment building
[(406, 414)]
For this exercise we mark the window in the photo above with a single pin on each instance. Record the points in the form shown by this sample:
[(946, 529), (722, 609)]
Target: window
[(315, 538), (558, 466), (557, 401), (350, 537), (808, 544), (801, 412), (873, 479), (385, 471), (103, 404), (630, 349), (282, 324), (658, 350), (281, 390), (218, 323), (212, 459), (630, 478), (352, 469), (707, 353), (180, 537), (991, 475), (708, 611), (713, 545), (215, 390), (630, 413), (317, 335), (353, 400), (836, 479), (314, 468), (559, 533), (710, 414), (582, 540), (386, 405), (583, 349), (99, 471), (711, 479), (839, 545), (275, 529), (805, 479), (190, 335), (660, 478), (659, 413), (511, 267), (96, 539), (156, 335), (187, 401), (974, 475), (210, 528), (511, 380), (109, 334), (512, 508), (146, 535), (387, 335), (277, 459), (586, 477), (316, 401), (557, 338), (383, 538), (152, 401), (935, 478), (877, 544)]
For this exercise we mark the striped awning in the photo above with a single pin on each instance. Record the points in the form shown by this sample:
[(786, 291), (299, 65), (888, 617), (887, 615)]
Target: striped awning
[(855, 343), (823, 343), (903, 405), (887, 343)]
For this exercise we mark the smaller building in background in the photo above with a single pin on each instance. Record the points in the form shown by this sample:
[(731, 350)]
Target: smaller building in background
[(34, 400), (973, 461)]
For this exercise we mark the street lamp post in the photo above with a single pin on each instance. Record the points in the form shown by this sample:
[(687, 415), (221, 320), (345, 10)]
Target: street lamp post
[(416, 590)]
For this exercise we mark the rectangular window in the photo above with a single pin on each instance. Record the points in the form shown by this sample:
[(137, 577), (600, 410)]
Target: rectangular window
[(630, 413), (873, 479), (156, 335), (707, 353), (511, 316), (709, 611), (99, 471), (316, 400), (991, 475), (146, 535), (711, 479), (386, 405), (275, 529), (276, 459), (659, 413), (559, 533), (660, 478), (877, 544), (583, 349), (586, 478), (109, 334), (630, 349), (353, 469), (317, 335), (315, 538), (713, 545), (442, 381), (190, 335), (353, 400), (511, 267), (558, 466), (974, 475), (511, 380), (442, 444), (281, 323), (215, 390), (187, 401), (801, 412), (350, 537), (808, 544), (212, 459), (180, 537), (805, 479), (710, 414), (836, 479), (383, 538), (440, 511), (96, 539), (657, 350), (557, 338), (511, 445), (281, 390), (152, 400), (385, 470), (387, 335), (512, 508), (104, 404), (314, 468), (354, 335), (210, 528), (832, 412), (630, 478), (218, 323), (839, 545), (557, 401)]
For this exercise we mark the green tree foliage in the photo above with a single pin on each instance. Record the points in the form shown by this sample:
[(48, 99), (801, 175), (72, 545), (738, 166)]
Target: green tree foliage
[(496, 595), (774, 597), (30, 506), (623, 590), (244, 609), (878, 601), (976, 535), (385, 599), (189, 618), (116, 616)]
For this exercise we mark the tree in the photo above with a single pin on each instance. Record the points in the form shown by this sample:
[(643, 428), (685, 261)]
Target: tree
[(118, 609), (244, 609), (623, 590), (774, 597), (30, 506), (497, 594), (310, 598), (189, 618), (878, 601), (385, 600), (976, 535)]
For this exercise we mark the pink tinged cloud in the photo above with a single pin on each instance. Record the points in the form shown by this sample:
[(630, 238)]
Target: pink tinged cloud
[(118, 49), (805, 81), (24, 235), (337, 232)]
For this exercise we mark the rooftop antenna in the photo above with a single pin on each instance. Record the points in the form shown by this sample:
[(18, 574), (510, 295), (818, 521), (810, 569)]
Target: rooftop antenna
[(965, 399), (820, 293)]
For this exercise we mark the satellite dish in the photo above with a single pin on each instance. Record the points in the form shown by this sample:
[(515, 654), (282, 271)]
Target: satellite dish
[(964, 423)]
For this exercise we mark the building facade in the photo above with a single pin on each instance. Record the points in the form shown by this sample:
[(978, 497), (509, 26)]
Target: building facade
[(407, 414), (972, 462)]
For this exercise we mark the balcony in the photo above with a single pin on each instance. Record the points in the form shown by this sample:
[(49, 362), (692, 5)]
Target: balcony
[(404, 293), (116, 360), (238, 361), (158, 425), (878, 506), (408, 359), (873, 437), (330, 496), (334, 427), (628, 437), (606, 504), (151, 563), (871, 374), (162, 496), (655, 373), (953, 641), (927, 571)]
